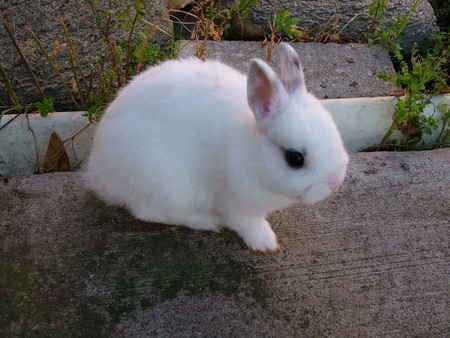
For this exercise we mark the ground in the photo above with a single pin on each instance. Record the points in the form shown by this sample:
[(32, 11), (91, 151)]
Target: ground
[(371, 261)]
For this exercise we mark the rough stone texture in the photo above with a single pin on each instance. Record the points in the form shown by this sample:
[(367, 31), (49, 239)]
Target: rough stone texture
[(217, 316), (332, 16), (331, 70), (43, 17), (372, 261)]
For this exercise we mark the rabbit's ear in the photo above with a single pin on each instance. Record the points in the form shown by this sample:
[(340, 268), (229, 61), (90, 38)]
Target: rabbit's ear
[(265, 93), (291, 69)]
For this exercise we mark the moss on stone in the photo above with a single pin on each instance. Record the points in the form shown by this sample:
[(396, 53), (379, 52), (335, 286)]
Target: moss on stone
[(141, 269)]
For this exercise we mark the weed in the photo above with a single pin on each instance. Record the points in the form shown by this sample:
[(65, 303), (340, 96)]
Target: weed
[(91, 88), (6, 83), (239, 25), (420, 76), (92, 85), (210, 24), (6, 25), (50, 56), (126, 57), (388, 33), (45, 106), (283, 25), (242, 8), (444, 134), (207, 20)]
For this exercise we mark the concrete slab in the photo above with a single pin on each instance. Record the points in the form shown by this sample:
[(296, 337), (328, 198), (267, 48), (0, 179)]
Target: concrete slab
[(372, 261), (331, 70)]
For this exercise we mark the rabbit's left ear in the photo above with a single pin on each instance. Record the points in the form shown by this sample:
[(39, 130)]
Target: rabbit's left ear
[(266, 95), (291, 69)]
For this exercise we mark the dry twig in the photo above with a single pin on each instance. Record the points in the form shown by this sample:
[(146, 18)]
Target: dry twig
[(53, 64), (74, 61), (19, 50)]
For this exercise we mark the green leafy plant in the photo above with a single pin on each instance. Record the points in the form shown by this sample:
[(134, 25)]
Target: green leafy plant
[(242, 8), (421, 76), (93, 85), (238, 25), (377, 9), (283, 25), (444, 134), (45, 106), (8, 88), (126, 57), (388, 32)]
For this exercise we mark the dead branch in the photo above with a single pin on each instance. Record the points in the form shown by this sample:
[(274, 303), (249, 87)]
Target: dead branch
[(19, 50)]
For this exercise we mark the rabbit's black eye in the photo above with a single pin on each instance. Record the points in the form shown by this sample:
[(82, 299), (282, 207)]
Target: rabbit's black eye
[(294, 158)]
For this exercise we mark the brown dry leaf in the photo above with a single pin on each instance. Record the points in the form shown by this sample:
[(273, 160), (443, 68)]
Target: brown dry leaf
[(334, 37), (408, 128), (56, 158)]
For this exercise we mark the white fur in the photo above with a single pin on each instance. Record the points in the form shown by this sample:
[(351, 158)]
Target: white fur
[(180, 145)]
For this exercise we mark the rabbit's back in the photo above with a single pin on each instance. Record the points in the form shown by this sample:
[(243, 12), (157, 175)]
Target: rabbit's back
[(206, 89), (161, 142), (190, 101)]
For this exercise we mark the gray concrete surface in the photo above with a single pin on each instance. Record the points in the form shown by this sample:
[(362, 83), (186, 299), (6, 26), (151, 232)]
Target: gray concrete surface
[(373, 261), (331, 70)]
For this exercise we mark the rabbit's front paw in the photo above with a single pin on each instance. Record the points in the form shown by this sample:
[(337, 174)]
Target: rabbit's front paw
[(258, 235)]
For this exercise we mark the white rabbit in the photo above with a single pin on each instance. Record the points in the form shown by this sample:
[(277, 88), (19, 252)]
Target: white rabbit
[(197, 143)]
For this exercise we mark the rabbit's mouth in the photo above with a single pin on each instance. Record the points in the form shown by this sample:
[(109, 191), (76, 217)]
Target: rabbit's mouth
[(315, 193)]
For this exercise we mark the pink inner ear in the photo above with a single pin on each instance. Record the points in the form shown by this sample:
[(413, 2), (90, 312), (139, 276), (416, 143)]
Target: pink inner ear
[(264, 94), (290, 76), (265, 109), (284, 69), (265, 91)]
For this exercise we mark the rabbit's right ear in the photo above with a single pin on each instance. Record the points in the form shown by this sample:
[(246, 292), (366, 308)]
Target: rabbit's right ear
[(291, 69), (266, 95)]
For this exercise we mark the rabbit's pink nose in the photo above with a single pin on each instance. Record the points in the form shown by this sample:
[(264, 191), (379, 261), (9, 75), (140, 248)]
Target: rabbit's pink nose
[(335, 181)]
